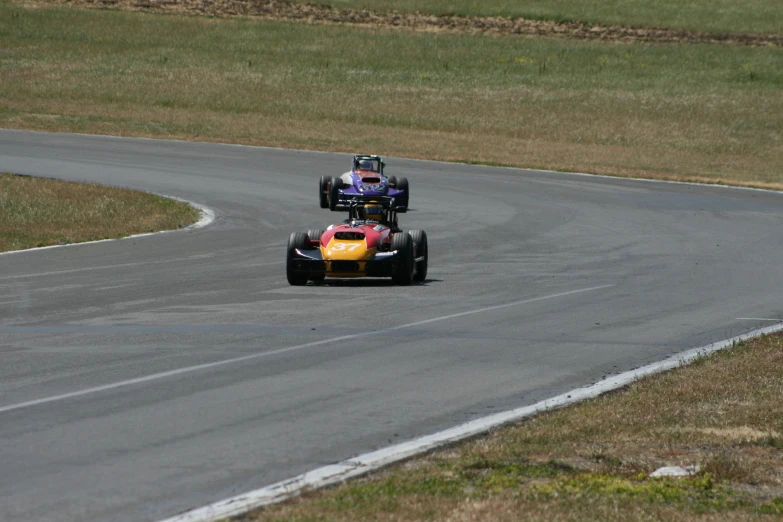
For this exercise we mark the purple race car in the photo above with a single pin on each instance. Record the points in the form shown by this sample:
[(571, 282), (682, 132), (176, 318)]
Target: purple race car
[(365, 182)]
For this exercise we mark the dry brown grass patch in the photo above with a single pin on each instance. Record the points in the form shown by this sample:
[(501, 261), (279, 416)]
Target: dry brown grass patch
[(37, 212), (735, 434)]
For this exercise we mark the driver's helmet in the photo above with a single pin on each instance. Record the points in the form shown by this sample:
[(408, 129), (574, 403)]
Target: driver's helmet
[(373, 211), (365, 164)]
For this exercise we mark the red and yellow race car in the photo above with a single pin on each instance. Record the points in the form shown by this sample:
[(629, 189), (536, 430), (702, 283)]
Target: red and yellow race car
[(368, 244)]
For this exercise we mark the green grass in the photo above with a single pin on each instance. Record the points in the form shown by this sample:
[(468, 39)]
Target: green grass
[(719, 16), (696, 112), (36, 212)]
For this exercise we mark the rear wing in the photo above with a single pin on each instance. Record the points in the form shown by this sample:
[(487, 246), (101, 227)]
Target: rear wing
[(387, 202)]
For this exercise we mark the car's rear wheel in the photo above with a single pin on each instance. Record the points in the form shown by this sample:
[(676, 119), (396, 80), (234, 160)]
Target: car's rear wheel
[(315, 234), (323, 194), (334, 192), (419, 238), (403, 244), (392, 181), (402, 184), (301, 241)]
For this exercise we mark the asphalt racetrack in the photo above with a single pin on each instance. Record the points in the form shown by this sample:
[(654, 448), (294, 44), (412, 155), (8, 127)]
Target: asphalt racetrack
[(143, 377)]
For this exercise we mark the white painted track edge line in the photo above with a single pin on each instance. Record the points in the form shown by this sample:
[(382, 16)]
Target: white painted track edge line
[(331, 340), (206, 219), (356, 466)]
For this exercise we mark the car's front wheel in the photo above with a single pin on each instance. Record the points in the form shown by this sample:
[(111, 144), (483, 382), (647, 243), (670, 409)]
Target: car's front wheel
[(403, 244), (334, 192), (419, 238), (323, 192), (297, 240)]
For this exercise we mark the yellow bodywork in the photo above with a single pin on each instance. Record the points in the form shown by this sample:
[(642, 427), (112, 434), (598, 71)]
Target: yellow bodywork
[(347, 250)]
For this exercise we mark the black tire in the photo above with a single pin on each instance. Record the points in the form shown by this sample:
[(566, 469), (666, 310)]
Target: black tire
[(334, 192), (301, 241), (421, 249), (323, 198), (402, 184), (315, 234), (392, 181), (403, 244)]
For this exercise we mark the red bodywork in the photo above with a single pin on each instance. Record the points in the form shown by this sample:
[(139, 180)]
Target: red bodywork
[(375, 234)]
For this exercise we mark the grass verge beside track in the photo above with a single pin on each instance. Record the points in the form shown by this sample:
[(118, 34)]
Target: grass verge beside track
[(591, 461), (700, 112), (36, 212)]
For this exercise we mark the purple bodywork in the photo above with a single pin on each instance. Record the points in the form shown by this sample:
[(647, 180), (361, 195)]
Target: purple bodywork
[(371, 185), (365, 182)]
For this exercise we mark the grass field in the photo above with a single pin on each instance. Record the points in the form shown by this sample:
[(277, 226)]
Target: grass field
[(37, 212), (697, 112), (591, 461), (720, 16)]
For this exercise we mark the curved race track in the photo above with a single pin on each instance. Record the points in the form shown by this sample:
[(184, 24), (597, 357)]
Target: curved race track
[(599, 276)]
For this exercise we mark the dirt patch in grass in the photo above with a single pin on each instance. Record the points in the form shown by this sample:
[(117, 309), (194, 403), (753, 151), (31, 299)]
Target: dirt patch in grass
[(36, 212), (592, 461), (319, 13)]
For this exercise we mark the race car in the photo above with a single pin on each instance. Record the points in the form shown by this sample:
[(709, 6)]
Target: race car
[(365, 182), (368, 244)]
